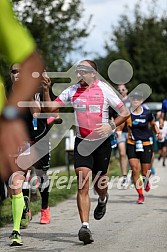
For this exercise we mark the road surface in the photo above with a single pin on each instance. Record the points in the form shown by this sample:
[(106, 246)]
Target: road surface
[(125, 227)]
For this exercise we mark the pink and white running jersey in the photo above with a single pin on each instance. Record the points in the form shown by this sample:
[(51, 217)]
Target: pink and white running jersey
[(91, 106)]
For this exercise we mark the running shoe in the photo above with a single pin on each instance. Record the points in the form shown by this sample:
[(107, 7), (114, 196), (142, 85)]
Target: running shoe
[(45, 216), (124, 183), (100, 209), (26, 216), (153, 171), (140, 199), (147, 187), (85, 235), (16, 239)]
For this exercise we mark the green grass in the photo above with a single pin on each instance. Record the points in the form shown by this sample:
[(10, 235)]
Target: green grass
[(56, 195), (5, 212), (114, 167)]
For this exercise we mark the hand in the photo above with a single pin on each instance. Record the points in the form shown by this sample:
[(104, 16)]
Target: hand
[(12, 135), (118, 133), (46, 82), (159, 136), (161, 126), (104, 130)]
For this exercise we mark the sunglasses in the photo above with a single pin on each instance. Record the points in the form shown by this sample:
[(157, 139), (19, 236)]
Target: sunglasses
[(138, 98), (121, 89), (82, 72), (14, 71)]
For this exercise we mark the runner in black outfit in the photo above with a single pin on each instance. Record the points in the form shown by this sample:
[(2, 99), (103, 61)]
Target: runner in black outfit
[(41, 167), (35, 134), (139, 144)]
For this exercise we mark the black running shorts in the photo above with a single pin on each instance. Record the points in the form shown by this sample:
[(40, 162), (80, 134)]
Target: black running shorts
[(98, 160), (162, 144), (44, 162), (144, 157)]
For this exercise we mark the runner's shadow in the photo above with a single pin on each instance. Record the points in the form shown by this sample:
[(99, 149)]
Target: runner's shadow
[(59, 237), (51, 237), (120, 199), (157, 196)]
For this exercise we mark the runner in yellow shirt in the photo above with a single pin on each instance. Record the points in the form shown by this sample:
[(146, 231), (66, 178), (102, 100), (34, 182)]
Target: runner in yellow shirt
[(18, 46), (2, 96)]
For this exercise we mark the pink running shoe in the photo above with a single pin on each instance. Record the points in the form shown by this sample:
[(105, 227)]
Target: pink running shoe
[(45, 216), (140, 199), (147, 187)]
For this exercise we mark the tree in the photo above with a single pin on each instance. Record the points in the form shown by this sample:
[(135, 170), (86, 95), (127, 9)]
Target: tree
[(142, 43), (55, 26)]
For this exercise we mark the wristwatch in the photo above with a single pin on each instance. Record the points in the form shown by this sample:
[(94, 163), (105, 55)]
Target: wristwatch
[(10, 113)]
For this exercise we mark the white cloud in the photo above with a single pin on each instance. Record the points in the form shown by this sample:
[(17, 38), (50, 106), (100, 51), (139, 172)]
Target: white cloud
[(106, 13)]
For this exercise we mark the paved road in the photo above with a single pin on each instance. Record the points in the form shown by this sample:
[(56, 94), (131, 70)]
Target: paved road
[(125, 227)]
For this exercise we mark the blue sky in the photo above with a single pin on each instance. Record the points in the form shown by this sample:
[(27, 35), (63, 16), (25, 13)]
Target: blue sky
[(106, 13)]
